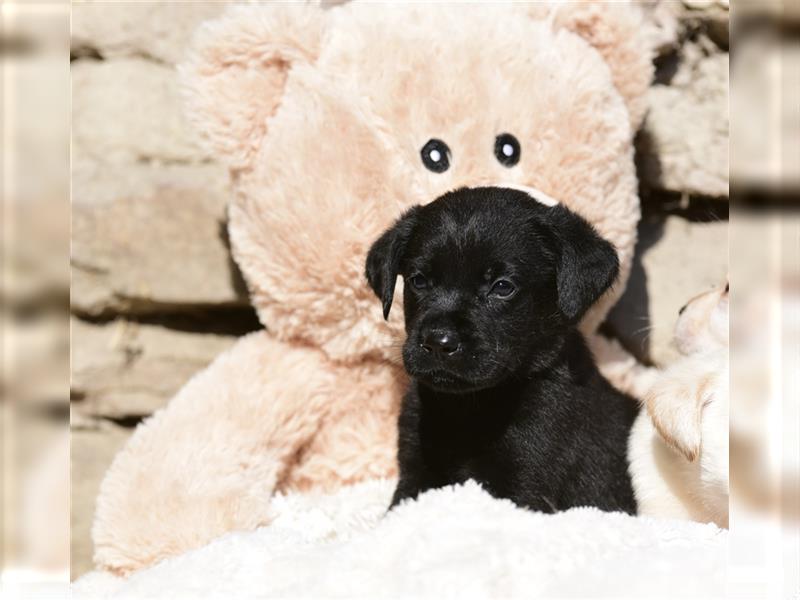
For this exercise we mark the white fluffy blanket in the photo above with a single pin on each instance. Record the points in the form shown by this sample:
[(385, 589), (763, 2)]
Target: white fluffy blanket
[(456, 542)]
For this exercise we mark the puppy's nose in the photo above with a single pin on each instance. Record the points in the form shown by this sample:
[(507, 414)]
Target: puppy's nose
[(441, 342)]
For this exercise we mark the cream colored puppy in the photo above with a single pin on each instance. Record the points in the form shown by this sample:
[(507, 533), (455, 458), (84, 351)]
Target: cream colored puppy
[(678, 449)]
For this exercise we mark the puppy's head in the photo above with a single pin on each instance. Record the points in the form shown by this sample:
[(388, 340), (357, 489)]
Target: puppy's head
[(493, 282), (703, 322)]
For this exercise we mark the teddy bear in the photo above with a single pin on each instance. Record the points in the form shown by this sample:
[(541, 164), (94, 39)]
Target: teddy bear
[(333, 121)]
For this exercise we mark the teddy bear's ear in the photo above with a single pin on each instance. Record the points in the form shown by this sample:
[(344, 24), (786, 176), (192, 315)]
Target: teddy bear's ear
[(622, 36), (236, 71)]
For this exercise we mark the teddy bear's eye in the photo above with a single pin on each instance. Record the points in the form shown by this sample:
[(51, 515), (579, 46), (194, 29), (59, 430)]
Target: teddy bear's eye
[(436, 156), (506, 149)]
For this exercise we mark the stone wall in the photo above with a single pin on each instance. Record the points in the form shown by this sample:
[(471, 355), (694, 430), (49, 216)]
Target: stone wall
[(155, 294)]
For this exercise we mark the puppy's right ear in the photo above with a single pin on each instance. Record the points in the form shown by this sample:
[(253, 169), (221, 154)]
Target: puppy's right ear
[(385, 256)]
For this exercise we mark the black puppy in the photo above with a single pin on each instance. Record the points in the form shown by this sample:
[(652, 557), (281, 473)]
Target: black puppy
[(504, 390)]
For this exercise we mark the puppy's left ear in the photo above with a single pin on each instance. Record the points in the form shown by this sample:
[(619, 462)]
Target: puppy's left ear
[(587, 264), (385, 256)]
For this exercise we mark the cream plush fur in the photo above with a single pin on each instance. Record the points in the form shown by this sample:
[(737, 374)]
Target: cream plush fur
[(321, 115), (456, 542)]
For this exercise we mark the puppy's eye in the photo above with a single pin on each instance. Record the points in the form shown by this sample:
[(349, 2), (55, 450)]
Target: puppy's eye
[(419, 282), (507, 150), (436, 156), (502, 288)]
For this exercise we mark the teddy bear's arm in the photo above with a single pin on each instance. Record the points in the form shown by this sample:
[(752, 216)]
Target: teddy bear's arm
[(620, 367), (209, 462)]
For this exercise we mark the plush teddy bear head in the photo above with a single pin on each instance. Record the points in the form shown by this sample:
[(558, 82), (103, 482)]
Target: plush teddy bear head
[(333, 121)]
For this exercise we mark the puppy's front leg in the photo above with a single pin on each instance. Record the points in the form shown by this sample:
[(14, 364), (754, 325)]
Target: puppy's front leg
[(405, 489), (410, 461)]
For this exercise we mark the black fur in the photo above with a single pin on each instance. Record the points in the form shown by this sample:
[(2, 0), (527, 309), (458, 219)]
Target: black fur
[(504, 389)]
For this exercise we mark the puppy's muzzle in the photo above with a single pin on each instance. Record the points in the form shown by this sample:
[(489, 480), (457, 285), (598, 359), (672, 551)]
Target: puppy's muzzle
[(442, 343)]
